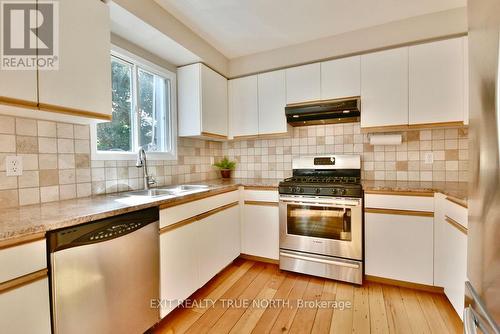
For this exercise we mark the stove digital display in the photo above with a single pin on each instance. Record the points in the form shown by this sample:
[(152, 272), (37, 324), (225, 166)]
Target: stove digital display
[(324, 161)]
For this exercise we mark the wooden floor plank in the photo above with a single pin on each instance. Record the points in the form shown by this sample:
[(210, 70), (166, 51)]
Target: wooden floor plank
[(304, 318), (448, 314), (397, 319), (270, 315), (361, 310), (212, 315), (285, 318), (233, 314), (378, 316), (249, 319), (431, 313), (376, 308), (414, 311), (324, 315), (342, 318)]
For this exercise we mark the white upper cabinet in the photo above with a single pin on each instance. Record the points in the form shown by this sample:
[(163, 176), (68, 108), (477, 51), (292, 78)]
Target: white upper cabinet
[(83, 81), (202, 102), (18, 85), (243, 106), (384, 88), (272, 101), (436, 76), (303, 83), (341, 78)]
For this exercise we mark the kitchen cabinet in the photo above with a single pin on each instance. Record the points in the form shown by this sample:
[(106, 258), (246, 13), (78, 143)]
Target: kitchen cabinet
[(24, 288), (341, 78), (260, 224), (202, 102), (19, 87), (399, 238), (178, 265), (243, 107), (303, 83), (82, 84), (450, 266), (218, 242), (384, 88), (26, 309), (436, 82), (272, 101)]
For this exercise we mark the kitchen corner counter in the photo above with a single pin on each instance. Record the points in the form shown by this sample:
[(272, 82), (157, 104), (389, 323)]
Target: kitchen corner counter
[(24, 222), (455, 190)]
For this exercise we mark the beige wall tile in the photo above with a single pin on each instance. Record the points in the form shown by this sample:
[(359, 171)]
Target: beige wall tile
[(67, 176), (7, 143), (49, 194), (26, 127), (82, 132), (451, 155), (25, 144), (47, 161), (29, 196), (65, 130), (7, 125), (29, 179), (67, 191), (65, 145), (30, 161), (47, 129), (66, 161), (82, 146), (49, 177), (83, 175), (9, 198), (83, 189), (82, 160), (7, 182), (47, 145)]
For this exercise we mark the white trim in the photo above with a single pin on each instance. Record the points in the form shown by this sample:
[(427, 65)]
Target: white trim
[(155, 69)]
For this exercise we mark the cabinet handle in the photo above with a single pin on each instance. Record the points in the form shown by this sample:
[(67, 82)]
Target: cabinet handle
[(23, 280), (455, 224), (261, 203), (307, 258), (400, 212)]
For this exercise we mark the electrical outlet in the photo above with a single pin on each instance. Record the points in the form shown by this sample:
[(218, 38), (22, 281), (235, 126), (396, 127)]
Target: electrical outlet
[(212, 160), (429, 158), (14, 165)]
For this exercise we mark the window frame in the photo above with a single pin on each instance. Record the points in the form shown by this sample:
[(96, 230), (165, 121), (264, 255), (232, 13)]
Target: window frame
[(140, 63)]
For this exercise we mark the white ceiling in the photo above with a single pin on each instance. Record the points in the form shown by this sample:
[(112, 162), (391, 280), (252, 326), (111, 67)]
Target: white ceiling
[(242, 27), (133, 29)]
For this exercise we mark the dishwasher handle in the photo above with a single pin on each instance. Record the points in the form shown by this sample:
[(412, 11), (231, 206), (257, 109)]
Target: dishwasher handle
[(101, 230)]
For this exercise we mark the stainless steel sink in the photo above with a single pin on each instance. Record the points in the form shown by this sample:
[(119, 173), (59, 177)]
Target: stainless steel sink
[(177, 190), (149, 193), (182, 188)]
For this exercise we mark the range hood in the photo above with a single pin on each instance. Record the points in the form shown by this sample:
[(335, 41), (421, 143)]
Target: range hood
[(324, 112)]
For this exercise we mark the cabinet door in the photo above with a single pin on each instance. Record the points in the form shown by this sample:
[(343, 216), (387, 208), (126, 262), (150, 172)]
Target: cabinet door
[(399, 247), (83, 81), (178, 265), (243, 106), (260, 231), (303, 83), (341, 78), (384, 88), (19, 85), (219, 242), (437, 82), (189, 100), (214, 102), (26, 309), (272, 101)]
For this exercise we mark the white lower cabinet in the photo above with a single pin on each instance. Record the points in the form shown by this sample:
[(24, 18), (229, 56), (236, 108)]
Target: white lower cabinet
[(399, 247), (450, 258), (195, 251), (26, 309), (260, 231)]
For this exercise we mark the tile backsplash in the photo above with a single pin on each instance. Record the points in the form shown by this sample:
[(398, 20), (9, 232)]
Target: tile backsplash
[(57, 164), (272, 158)]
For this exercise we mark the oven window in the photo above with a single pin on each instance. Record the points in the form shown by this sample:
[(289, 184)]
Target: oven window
[(319, 222)]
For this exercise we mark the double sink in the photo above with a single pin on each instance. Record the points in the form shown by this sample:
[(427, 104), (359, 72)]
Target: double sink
[(178, 190)]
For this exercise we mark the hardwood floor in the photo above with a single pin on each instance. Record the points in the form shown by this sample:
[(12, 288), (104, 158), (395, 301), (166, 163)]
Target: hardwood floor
[(267, 300)]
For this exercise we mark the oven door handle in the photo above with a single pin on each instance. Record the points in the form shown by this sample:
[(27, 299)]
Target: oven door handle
[(331, 204), (332, 262)]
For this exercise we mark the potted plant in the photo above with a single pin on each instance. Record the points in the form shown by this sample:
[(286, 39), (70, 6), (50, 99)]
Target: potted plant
[(225, 166)]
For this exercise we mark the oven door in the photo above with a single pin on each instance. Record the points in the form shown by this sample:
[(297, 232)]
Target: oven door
[(325, 226)]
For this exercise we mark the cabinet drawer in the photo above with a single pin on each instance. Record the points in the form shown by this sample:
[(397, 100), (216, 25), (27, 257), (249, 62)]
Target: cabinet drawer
[(180, 212), (23, 259), (456, 212), (395, 202), (261, 195)]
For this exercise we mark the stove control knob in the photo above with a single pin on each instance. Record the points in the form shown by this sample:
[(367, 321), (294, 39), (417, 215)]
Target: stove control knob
[(301, 190), (343, 191), (318, 190), (334, 190)]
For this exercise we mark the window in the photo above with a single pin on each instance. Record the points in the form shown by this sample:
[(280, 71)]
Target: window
[(143, 102)]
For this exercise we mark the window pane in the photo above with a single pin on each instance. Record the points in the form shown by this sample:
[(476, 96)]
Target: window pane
[(153, 112), (117, 134)]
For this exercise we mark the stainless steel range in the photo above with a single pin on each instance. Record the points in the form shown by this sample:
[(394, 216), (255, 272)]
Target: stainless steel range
[(321, 217)]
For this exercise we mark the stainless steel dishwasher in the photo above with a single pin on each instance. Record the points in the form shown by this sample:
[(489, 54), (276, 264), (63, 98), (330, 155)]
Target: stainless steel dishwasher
[(104, 275)]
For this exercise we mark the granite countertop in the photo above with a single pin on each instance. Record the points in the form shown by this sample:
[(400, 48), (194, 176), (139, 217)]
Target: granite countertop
[(457, 190), (28, 220)]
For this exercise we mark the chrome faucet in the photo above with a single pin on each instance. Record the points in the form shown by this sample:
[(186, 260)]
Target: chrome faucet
[(142, 162)]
